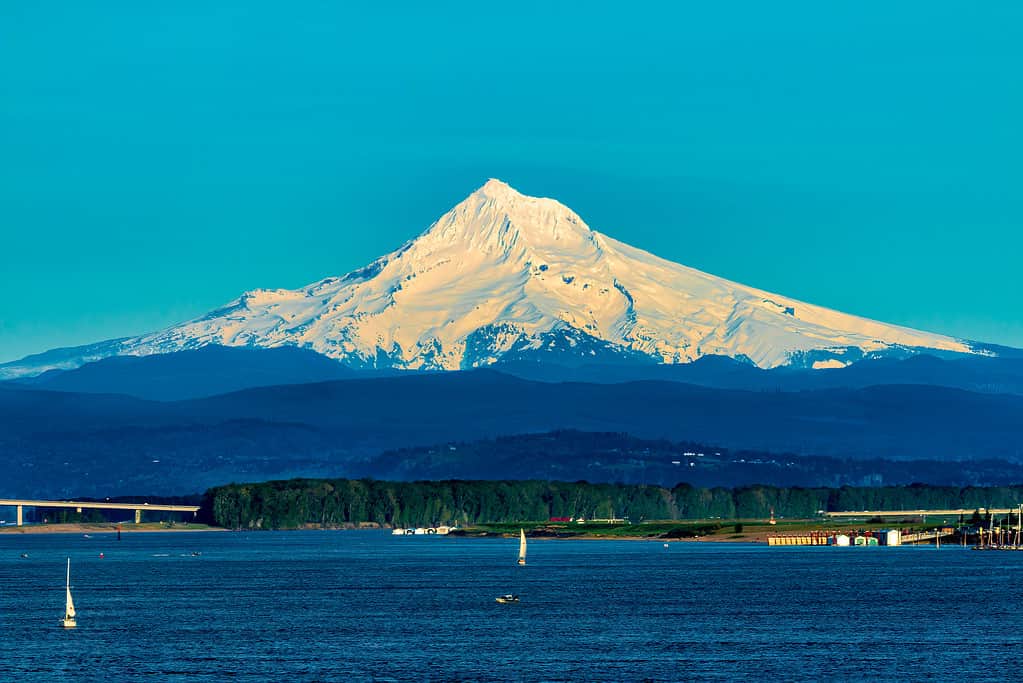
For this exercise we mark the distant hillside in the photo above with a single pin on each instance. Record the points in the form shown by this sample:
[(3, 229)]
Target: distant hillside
[(213, 370), (1001, 375), (883, 421), (205, 371), (54, 443), (569, 455)]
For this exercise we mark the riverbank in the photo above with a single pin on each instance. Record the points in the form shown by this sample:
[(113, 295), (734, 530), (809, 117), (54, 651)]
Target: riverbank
[(700, 531), (105, 528)]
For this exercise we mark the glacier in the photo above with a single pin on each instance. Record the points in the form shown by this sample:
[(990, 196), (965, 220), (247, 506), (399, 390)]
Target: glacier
[(504, 275)]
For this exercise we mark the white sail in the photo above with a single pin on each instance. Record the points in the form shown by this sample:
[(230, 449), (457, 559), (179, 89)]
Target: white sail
[(69, 609), (522, 546)]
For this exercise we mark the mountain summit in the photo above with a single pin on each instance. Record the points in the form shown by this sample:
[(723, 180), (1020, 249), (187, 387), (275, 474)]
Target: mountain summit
[(506, 276)]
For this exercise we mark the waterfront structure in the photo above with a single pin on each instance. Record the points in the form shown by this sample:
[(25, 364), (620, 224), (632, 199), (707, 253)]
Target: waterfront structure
[(78, 506)]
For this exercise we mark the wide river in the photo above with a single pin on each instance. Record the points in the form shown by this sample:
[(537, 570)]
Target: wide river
[(351, 606)]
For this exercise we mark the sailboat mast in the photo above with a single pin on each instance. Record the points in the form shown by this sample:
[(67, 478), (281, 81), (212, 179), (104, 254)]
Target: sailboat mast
[(69, 606), (1019, 522)]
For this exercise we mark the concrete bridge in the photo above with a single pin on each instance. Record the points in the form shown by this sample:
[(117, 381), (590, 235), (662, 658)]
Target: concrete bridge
[(90, 505), (920, 513)]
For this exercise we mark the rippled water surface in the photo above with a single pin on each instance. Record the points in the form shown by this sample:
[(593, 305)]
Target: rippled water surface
[(341, 606)]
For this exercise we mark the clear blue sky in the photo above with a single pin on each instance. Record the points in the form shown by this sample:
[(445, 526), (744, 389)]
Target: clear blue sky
[(157, 159)]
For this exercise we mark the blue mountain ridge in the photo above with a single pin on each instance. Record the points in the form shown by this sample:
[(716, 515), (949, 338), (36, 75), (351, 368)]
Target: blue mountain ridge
[(212, 370), (106, 444)]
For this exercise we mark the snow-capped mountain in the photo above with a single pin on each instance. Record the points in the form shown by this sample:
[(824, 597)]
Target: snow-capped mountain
[(503, 275)]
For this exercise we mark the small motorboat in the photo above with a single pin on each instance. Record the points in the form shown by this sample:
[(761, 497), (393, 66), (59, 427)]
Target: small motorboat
[(505, 599)]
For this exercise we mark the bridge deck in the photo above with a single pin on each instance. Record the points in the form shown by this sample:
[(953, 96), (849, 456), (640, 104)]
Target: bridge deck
[(919, 513), (93, 505), (79, 505)]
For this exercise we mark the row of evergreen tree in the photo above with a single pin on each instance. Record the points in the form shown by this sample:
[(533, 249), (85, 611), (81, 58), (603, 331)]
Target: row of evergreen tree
[(340, 502)]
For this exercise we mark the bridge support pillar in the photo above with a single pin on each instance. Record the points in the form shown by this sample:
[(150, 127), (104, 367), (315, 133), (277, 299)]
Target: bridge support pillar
[(21, 515), (138, 516)]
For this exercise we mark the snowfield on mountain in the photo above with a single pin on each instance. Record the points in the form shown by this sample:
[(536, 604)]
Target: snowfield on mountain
[(503, 275)]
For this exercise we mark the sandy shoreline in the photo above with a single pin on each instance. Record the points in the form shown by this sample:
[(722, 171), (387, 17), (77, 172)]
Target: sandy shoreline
[(716, 538), (752, 538), (157, 527), (154, 527)]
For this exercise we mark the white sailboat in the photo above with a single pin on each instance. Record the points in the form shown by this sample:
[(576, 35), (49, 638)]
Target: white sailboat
[(522, 546), (69, 607)]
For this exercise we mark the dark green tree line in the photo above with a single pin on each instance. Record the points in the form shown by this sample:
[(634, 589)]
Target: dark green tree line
[(340, 502)]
